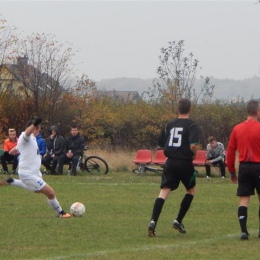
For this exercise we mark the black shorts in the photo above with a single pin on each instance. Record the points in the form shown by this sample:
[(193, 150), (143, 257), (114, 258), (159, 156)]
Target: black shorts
[(248, 179), (176, 171)]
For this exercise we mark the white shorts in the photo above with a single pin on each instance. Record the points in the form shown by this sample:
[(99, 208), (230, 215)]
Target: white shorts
[(33, 182)]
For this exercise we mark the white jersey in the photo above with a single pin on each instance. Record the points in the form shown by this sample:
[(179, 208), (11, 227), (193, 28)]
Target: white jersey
[(30, 158)]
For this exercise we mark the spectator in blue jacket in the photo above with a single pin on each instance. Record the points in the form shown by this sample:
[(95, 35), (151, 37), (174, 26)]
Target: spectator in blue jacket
[(41, 144)]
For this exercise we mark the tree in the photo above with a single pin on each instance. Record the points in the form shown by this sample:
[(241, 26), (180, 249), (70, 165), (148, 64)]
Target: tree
[(177, 75), (7, 39), (44, 68)]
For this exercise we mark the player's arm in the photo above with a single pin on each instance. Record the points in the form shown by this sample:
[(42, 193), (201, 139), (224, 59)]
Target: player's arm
[(231, 151), (29, 130), (162, 138)]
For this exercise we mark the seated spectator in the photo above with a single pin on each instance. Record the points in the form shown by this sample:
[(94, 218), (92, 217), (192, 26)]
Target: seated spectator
[(73, 150), (55, 145), (41, 144), (10, 143), (215, 156)]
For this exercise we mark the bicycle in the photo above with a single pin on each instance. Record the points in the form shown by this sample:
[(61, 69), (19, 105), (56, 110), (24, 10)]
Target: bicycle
[(93, 164), (143, 168)]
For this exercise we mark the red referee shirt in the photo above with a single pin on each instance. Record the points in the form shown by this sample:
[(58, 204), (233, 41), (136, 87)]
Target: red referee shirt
[(245, 138)]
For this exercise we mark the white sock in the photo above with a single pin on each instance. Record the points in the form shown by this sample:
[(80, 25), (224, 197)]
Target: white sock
[(55, 205)]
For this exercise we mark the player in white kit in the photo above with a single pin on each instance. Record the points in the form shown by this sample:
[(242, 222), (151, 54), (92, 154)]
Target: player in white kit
[(30, 176)]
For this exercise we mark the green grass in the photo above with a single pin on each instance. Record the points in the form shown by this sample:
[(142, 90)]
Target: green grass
[(118, 210)]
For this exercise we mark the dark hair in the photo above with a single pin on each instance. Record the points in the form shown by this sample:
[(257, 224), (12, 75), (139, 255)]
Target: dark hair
[(184, 106), (211, 139), (73, 126), (252, 107)]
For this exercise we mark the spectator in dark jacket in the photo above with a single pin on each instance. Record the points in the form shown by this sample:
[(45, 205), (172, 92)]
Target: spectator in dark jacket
[(73, 150), (55, 145)]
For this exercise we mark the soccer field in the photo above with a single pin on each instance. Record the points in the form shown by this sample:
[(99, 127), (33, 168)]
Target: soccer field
[(118, 210)]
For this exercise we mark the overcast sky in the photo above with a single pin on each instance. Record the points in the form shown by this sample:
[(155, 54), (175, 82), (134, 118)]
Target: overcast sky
[(123, 38)]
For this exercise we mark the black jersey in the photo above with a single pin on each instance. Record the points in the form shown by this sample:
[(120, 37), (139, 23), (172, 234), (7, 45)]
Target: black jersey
[(176, 138)]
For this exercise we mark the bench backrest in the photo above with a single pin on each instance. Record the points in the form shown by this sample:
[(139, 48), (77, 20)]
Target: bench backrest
[(159, 158), (143, 157), (200, 158)]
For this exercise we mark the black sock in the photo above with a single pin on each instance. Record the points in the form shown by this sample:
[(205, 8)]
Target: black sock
[(185, 205), (242, 217), (157, 208)]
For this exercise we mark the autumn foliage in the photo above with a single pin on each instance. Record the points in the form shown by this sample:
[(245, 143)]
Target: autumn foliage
[(37, 78)]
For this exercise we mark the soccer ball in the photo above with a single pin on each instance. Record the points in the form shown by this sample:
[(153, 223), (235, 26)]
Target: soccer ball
[(77, 209)]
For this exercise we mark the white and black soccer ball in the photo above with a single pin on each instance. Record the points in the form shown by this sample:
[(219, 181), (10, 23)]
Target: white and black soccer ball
[(77, 209)]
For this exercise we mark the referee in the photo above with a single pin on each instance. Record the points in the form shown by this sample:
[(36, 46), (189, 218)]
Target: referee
[(245, 138), (179, 139)]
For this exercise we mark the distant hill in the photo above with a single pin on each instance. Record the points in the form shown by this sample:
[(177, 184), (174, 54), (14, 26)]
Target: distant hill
[(125, 84), (224, 88)]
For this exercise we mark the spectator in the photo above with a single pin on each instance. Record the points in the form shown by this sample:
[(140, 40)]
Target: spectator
[(10, 143), (41, 144), (55, 145), (73, 150), (215, 156)]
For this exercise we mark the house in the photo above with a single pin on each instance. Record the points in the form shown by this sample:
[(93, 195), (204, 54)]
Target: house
[(22, 77)]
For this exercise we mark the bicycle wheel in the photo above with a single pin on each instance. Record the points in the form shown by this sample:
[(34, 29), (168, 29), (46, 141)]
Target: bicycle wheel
[(95, 164)]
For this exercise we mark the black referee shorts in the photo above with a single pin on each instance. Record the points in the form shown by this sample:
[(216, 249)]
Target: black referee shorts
[(248, 179), (176, 171)]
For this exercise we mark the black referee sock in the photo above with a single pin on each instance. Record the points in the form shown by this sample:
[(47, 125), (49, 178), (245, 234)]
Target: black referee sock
[(242, 217), (185, 205), (157, 208)]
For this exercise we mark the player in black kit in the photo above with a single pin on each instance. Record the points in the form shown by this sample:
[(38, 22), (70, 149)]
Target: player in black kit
[(179, 139)]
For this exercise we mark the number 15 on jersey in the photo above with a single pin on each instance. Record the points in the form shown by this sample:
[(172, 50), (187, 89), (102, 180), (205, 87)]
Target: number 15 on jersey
[(175, 137)]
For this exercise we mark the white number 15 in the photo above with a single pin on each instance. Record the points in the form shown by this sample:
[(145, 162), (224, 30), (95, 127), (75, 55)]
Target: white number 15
[(176, 134)]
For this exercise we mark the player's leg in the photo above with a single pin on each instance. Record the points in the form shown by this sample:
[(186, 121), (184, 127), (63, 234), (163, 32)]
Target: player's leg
[(188, 178), (157, 208), (14, 182), (242, 216), (168, 183), (246, 187), (48, 191)]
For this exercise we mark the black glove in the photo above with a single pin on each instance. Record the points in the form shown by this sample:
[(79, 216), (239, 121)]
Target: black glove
[(37, 121)]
